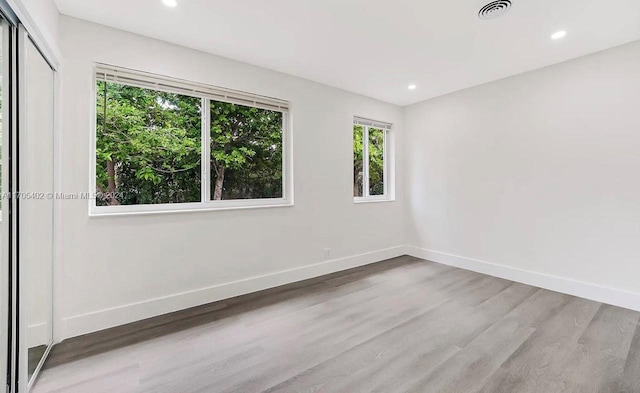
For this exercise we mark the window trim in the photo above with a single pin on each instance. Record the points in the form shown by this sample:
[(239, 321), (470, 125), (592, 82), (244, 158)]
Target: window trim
[(387, 128), (207, 94)]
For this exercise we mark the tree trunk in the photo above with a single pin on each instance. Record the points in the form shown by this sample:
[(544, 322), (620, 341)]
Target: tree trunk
[(358, 184), (217, 192), (111, 185)]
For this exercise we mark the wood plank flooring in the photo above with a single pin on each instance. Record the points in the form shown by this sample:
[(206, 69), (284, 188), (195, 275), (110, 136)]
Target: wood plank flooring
[(403, 325), (33, 358)]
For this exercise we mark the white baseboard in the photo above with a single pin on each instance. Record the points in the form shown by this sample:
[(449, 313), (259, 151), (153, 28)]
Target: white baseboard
[(581, 289), (103, 319)]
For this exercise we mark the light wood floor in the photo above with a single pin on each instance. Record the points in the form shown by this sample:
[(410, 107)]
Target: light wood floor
[(403, 325), (34, 355)]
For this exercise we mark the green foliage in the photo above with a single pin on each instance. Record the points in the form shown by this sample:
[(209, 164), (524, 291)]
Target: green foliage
[(358, 160), (152, 142), (246, 151), (376, 160)]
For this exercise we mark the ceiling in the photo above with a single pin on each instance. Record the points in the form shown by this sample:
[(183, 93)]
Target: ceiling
[(377, 48)]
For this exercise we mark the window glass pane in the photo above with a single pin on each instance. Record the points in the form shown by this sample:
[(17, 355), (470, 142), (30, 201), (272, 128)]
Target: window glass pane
[(246, 152), (147, 146), (376, 161), (358, 162)]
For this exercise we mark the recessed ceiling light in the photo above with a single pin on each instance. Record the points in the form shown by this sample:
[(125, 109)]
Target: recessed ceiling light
[(170, 3), (558, 35), (412, 87)]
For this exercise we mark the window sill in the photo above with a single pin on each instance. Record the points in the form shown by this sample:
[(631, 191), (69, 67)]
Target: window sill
[(117, 211), (372, 200)]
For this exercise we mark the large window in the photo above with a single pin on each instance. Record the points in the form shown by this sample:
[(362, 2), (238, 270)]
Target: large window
[(370, 160), (165, 144)]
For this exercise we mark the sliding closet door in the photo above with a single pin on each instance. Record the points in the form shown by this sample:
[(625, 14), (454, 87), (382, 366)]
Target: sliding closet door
[(5, 129), (36, 174)]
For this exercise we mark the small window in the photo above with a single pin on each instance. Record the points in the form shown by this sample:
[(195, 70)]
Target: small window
[(370, 160), (164, 144)]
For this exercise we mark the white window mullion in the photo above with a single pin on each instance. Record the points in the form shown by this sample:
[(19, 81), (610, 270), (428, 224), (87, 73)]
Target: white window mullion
[(365, 166), (206, 151)]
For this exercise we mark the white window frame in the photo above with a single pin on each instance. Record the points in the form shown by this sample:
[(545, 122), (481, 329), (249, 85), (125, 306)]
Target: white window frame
[(207, 94), (387, 157)]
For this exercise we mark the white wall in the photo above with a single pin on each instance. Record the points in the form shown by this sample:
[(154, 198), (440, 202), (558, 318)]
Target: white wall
[(41, 19), (114, 270), (45, 15), (537, 173)]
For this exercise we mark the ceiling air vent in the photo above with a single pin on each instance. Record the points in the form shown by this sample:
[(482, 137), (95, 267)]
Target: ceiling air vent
[(494, 9)]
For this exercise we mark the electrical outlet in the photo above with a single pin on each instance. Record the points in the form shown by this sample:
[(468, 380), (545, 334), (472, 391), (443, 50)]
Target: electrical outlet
[(326, 253)]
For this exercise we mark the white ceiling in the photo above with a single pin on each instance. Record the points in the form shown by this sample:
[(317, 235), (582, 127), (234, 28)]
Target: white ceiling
[(378, 47)]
